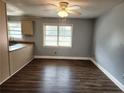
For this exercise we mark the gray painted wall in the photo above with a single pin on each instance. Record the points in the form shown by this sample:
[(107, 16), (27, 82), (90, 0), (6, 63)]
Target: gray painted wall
[(81, 40), (109, 42)]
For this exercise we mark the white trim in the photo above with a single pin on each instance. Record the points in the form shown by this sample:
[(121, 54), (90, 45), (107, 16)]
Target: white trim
[(58, 25), (16, 71), (62, 57), (109, 75)]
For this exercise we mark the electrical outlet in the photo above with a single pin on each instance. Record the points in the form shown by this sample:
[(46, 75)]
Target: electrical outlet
[(55, 52)]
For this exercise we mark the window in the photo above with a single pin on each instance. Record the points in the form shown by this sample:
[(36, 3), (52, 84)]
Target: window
[(58, 35), (14, 29)]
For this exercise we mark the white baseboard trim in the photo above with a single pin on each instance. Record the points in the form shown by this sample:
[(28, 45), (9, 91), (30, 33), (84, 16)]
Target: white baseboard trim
[(62, 57), (16, 71), (110, 76), (119, 84)]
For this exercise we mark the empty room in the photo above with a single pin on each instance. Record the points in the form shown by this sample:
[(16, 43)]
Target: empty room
[(61, 46)]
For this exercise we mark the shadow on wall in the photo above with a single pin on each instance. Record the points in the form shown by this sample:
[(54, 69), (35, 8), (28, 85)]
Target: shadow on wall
[(109, 42)]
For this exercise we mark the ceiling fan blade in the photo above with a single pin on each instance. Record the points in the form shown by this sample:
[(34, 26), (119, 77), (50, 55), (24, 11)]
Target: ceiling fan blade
[(76, 13), (74, 7), (47, 6)]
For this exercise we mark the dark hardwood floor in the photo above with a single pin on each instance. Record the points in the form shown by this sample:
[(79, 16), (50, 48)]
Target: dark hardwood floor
[(59, 76)]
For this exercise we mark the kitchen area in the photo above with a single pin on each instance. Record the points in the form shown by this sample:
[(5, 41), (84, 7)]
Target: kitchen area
[(16, 43), (21, 42)]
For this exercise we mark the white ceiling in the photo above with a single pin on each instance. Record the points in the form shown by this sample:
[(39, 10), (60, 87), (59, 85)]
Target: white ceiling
[(89, 8)]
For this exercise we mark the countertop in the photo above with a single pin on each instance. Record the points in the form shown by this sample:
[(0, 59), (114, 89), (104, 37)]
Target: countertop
[(21, 41), (16, 47)]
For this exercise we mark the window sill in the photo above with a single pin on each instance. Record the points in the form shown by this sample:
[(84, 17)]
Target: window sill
[(57, 46)]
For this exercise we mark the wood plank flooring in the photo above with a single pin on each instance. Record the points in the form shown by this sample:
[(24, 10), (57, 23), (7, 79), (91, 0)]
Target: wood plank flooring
[(59, 76)]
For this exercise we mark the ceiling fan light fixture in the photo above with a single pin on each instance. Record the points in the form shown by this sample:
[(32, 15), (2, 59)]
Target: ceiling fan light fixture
[(62, 13)]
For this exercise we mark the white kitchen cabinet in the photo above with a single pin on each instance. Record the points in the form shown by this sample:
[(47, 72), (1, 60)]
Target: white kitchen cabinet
[(20, 57)]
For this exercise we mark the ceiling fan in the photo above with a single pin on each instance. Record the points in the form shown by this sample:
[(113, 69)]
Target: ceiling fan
[(64, 9)]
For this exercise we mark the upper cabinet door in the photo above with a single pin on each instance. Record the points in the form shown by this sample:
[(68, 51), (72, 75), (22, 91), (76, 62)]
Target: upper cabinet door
[(27, 28)]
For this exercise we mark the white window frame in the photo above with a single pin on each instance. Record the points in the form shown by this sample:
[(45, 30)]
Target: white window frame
[(55, 24), (10, 35)]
